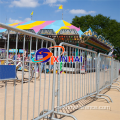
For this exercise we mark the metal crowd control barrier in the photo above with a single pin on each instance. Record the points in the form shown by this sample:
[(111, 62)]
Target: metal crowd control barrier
[(29, 100), (116, 70), (115, 74), (104, 74), (107, 74), (85, 77), (79, 83)]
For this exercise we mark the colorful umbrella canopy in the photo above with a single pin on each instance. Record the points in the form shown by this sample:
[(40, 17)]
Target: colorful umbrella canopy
[(56, 25)]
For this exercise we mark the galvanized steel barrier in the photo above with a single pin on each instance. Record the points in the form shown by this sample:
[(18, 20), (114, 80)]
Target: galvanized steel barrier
[(79, 80), (116, 70), (104, 74), (39, 97), (29, 100), (115, 74)]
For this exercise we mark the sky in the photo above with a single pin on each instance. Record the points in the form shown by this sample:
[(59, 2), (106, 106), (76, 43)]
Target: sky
[(12, 11)]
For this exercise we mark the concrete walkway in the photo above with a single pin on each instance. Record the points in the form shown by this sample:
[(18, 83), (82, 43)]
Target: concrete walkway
[(112, 114)]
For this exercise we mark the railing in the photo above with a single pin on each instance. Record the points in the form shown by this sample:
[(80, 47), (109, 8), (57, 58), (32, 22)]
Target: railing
[(21, 105), (37, 97), (74, 86)]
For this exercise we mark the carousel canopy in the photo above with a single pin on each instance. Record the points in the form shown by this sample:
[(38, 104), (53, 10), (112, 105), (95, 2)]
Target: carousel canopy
[(61, 27), (57, 26), (99, 38)]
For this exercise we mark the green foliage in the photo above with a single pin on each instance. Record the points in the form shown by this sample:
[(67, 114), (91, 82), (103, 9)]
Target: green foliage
[(117, 53), (108, 28)]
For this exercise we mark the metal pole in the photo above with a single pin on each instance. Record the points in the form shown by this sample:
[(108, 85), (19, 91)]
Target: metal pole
[(29, 80), (8, 46), (62, 14), (98, 72), (112, 71), (6, 81), (22, 79), (15, 80), (58, 89)]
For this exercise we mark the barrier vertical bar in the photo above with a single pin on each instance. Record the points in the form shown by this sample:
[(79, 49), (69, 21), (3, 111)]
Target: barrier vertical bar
[(8, 45), (6, 81), (75, 76), (72, 74), (63, 84), (53, 88), (40, 84), (35, 82), (66, 77), (49, 78), (22, 79), (80, 75), (90, 74), (118, 69), (98, 72), (44, 86), (29, 79), (58, 83), (84, 74), (15, 80), (111, 71), (69, 72)]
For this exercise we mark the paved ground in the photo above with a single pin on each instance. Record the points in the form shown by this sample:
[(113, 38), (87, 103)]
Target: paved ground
[(80, 84), (112, 114)]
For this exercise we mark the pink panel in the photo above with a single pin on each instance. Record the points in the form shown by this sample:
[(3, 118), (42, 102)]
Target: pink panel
[(73, 27), (16, 24), (21, 22), (37, 28)]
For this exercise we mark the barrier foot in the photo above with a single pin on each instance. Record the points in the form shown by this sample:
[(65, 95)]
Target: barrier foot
[(103, 98), (106, 96), (116, 83), (65, 114), (55, 119), (116, 87)]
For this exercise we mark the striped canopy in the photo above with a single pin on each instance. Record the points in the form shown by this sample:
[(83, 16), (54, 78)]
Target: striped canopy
[(56, 25)]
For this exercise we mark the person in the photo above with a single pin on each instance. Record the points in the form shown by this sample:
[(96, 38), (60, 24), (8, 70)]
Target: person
[(51, 63), (18, 56), (42, 66)]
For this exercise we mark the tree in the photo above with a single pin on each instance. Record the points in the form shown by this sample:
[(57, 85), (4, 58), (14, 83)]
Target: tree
[(108, 28)]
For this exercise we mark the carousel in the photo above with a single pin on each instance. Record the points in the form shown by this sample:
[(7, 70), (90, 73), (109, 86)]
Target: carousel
[(60, 31)]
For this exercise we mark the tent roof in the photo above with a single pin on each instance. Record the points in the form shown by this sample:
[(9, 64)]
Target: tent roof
[(56, 25)]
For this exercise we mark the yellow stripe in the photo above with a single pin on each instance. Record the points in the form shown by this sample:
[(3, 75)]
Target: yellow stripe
[(64, 27), (66, 23), (13, 24), (94, 43), (28, 26)]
